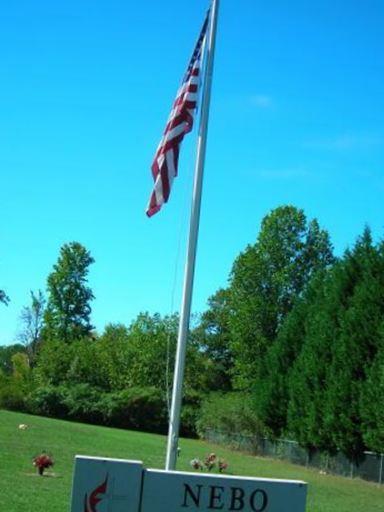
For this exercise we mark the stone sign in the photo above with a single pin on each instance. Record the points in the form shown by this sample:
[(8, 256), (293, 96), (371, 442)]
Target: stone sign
[(113, 485)]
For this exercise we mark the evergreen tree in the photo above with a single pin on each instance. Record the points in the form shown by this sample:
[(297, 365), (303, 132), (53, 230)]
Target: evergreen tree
[(341, 340), (357, 345), (372, 402), (272, 392), (67, 316), (307, 379)]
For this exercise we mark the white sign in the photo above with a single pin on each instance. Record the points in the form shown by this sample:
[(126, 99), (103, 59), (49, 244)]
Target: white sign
[(112, 485)]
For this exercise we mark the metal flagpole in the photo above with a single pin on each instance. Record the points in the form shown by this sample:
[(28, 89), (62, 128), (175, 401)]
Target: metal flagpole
[(174, 422)]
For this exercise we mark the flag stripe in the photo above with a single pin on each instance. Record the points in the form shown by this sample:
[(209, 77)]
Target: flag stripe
[(180, 122)]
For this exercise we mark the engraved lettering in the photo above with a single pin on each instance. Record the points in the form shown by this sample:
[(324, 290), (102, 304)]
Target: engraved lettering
[(237, 498), (215, 497), (189, 492), (258, 500)]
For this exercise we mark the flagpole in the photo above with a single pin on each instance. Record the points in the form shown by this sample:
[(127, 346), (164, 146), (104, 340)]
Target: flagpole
[(174, 422)]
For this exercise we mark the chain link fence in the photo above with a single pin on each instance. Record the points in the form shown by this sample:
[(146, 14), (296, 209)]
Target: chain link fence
[(371, 467)]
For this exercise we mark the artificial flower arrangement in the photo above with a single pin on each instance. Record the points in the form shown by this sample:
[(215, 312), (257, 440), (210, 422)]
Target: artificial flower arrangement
[(42, 462), (210, 462)]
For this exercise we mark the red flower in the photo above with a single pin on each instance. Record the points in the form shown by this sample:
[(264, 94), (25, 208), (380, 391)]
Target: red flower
[(223, 465), (42, 462)]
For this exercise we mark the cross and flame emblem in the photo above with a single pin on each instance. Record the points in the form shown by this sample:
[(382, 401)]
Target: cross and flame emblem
[(94, 497)]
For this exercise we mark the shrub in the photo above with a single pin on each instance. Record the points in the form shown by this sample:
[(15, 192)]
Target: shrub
[(15, 388), (229, 413), (82, 402), (135, 408), (11, 396), (49, 401), (190, 411)]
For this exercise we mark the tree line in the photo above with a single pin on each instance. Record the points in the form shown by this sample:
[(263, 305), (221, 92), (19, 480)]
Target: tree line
[(292, 346)]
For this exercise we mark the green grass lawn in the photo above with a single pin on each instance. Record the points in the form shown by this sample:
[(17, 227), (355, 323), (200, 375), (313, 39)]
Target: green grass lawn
[(21, 490)]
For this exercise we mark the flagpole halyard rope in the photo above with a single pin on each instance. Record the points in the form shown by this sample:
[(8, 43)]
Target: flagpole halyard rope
[(182, 224)]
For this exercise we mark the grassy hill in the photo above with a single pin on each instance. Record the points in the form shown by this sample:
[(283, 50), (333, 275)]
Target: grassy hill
[(21, 490)]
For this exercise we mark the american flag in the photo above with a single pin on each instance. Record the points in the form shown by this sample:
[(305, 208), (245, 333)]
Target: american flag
[(180, 122)]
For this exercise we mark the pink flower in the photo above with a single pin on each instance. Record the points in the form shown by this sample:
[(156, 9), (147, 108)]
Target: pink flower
[(210, 461)]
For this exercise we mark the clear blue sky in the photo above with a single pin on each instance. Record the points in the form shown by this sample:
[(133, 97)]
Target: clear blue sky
[(85, 90)]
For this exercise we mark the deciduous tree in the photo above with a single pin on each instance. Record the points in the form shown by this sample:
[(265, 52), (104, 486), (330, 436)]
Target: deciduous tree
[(265, 281), (67, 316), (212, 334), (32, 318)]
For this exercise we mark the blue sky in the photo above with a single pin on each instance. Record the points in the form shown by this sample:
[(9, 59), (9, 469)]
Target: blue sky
[(85, 89)]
